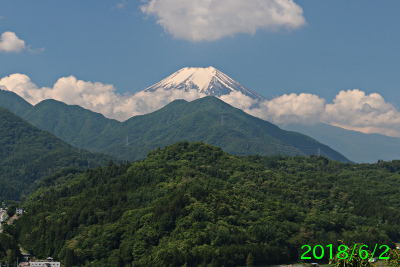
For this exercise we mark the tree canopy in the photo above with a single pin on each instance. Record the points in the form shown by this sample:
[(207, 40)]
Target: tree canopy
[(193, 204)]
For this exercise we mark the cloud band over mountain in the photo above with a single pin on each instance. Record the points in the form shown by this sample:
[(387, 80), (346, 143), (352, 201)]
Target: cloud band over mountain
[(351, 109)]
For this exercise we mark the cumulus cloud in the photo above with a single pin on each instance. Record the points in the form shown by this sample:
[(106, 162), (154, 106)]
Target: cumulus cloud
[(97, 97), (351, 109), (210, 20), (239, 100), (9, 42), (293, 108), (354, 110)]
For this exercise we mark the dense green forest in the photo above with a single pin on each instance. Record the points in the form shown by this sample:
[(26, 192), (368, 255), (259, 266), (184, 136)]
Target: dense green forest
[(207, 119), (9, 249), (28, 154), (191, 204)]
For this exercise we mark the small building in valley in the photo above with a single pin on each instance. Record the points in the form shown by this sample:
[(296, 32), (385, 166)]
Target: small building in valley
[(49, 262), (20, 211)]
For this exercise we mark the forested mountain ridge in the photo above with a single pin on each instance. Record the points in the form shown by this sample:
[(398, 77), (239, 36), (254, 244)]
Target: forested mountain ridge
[(75, 125), (28, 154), (14, 102), (213, 121), (207, 119), (193, 204)]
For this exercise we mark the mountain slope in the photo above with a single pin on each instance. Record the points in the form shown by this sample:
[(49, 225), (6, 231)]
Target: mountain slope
[(14, 102), (360, 147), (213, 121), (72, 123), (210, 120), (193, 204), (27, 154), (209, 81), (207, 119)]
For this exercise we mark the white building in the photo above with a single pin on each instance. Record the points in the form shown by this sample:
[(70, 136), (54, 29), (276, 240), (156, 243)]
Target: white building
[(47, 263), (19, 211), (2, 215)]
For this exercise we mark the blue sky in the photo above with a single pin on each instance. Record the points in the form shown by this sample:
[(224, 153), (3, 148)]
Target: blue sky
[(343, 45)]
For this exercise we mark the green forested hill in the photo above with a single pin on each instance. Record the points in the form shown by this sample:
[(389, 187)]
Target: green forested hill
[(213, 121), (27, 154), (75, 125), (14, 102), (207, 119), (191, 204)]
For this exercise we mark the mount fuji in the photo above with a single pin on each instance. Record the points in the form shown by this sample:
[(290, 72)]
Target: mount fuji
[(209, 81)]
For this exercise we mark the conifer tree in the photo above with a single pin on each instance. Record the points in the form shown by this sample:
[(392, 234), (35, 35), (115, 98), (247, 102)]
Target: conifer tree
[(250, 260)]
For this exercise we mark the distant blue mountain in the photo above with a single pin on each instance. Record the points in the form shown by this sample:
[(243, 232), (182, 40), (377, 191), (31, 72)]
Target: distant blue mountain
[(356, 146)]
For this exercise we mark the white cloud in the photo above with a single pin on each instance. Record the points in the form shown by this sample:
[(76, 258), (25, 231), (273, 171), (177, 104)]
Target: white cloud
[(355, 110), (9, 42), (210, 20), (293, 108), (352, 109), (238, 100), (97, 97)]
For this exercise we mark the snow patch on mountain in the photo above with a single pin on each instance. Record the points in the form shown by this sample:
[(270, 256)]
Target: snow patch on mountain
[(209, 81)]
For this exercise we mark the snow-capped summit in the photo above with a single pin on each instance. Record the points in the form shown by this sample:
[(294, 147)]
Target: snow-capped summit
[(209, 81)]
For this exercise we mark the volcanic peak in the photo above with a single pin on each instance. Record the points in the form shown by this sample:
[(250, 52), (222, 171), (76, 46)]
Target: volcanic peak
[(209, 81)]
